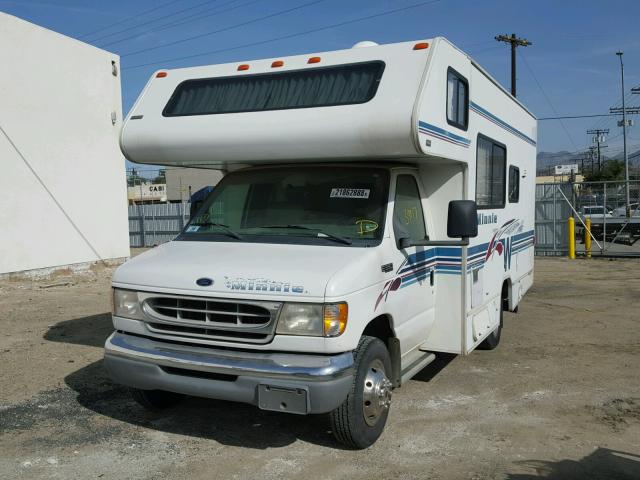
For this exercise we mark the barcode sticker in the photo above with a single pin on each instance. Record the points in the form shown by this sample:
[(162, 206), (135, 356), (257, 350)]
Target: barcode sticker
[(350, 193)]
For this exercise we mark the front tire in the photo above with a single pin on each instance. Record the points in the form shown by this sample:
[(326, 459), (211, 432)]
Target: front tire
[(359, 421)]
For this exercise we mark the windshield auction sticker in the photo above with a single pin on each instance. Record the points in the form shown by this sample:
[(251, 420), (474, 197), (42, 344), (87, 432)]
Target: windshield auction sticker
[(350, 193)]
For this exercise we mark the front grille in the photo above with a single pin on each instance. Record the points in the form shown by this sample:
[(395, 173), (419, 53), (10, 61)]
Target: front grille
[(210, 311), (211, 318)]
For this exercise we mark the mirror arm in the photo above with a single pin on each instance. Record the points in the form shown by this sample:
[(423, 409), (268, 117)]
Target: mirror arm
[(463, 242)]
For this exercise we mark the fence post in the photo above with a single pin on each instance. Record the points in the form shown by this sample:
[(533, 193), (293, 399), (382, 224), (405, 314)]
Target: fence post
[(572, 238), (604, 221), (142, 225), (587, 237)]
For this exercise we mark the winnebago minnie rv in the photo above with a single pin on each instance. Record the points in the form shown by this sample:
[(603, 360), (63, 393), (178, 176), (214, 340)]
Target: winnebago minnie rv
[(379, 209)]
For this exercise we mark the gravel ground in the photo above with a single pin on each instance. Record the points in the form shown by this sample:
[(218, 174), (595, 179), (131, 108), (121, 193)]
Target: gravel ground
[(558, 399)]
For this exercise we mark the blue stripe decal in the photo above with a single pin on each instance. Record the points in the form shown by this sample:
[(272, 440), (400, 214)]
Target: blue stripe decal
[(501, 123), (443, 134)]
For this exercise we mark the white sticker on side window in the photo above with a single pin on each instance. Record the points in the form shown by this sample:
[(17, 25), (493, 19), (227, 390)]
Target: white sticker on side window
[(193, 228), (350, 193)]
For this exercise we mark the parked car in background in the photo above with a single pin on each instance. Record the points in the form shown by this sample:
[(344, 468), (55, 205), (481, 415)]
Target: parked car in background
[(621, 212), (595, 211)]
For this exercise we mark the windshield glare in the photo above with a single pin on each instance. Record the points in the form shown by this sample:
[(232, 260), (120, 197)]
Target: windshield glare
[(323, 205)]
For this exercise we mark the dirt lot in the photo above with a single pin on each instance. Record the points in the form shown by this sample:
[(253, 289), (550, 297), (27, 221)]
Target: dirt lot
[(560, 397)]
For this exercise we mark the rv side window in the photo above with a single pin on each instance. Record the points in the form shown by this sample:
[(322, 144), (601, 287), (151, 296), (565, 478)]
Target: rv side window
[(491, 165), (311, 87), (408, 218), (457, 99), (514, 184)]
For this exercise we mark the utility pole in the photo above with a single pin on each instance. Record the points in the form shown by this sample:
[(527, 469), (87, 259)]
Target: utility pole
[(624, 132), (599, 137), (515, 42)]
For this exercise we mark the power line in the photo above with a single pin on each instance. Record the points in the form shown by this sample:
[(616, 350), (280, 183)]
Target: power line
[(231, 27), (124, 20), (580, 116), (526, 63), (284, 37), (188, 19), (172, 14)]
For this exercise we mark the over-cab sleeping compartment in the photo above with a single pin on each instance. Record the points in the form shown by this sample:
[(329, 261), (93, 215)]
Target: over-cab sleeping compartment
[(351, 104)]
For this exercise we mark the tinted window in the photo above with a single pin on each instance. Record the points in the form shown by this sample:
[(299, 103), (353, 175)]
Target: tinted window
[(490, 172), (408, 218), (457, 99), (514, 184), (295, 204), (313, 87)]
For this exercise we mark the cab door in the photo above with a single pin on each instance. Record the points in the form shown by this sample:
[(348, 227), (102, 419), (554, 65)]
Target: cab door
[(412, 291)]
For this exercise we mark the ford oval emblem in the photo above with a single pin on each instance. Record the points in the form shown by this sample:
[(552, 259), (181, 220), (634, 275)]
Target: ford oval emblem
[(204, 282)]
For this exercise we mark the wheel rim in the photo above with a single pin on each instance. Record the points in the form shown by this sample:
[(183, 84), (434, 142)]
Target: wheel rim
[(376, 396)]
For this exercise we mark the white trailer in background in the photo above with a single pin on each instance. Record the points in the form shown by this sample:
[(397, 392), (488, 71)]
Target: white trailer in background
[(379, 210), (63, 191)]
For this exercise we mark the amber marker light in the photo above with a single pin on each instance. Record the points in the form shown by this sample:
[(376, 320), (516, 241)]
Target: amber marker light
[(421, 46), (277, 63), (161, 74), (335, 318), (314, 60), (242, 67)]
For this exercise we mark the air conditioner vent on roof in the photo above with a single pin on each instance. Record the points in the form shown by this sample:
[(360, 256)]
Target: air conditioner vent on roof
[(365, 43)]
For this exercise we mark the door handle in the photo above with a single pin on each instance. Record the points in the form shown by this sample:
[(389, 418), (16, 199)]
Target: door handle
[(431, 277)]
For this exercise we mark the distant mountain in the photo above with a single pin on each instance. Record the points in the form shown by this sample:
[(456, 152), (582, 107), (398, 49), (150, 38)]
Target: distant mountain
[(546, 160)]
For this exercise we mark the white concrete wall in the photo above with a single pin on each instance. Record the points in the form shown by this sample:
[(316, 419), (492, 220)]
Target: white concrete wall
[(56, 100)]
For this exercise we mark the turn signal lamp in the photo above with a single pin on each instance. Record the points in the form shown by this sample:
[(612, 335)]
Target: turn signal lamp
[(335, 319), (421, 46), (314, 60)]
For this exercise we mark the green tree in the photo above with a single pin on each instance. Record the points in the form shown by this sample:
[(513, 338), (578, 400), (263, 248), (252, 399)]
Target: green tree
[(611, 170), (161, 177)]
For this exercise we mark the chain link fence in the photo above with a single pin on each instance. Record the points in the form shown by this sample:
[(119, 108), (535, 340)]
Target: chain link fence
[(614, 231)]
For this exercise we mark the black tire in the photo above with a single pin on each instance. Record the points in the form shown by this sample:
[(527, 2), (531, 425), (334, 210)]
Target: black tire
[(348, 422), (155, 399), (493, 340)]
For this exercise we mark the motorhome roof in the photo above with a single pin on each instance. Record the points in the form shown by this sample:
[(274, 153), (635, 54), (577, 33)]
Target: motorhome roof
[(366, 103)]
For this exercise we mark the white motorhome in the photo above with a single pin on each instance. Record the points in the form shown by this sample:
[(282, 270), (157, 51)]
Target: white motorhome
[(378, 209)]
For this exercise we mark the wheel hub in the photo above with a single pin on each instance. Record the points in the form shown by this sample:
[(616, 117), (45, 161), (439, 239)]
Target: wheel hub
[(376, 397)]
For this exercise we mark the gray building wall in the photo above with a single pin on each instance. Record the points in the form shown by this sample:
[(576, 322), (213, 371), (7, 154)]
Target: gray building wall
[(180, 179)]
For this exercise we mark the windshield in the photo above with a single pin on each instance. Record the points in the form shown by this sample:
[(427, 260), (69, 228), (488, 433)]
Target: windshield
[(329, 205)]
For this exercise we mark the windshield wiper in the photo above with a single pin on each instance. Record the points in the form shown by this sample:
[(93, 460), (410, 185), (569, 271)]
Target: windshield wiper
[(226, 228), (321, 234)]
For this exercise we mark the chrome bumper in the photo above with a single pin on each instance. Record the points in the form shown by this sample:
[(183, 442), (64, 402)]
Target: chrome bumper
[(149, 364)]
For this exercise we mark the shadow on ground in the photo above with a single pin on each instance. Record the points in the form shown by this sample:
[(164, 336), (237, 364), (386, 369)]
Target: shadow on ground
[(225, 422), (602, 464), (91, 331)]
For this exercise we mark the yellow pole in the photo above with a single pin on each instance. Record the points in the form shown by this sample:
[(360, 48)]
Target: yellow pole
[(572, 238), (587, 237)]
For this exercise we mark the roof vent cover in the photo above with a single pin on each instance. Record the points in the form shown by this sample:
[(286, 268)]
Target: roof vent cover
[(365, 43)]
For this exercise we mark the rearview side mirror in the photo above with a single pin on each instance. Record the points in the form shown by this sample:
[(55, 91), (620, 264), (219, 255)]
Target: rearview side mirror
[(462, 223), (462, 219)]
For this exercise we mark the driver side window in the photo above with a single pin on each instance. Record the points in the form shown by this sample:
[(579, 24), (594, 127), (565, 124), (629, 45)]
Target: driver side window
[(408, 217)]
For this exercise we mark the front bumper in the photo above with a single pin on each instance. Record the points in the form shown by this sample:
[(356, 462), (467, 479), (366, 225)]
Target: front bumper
[(295, 383)]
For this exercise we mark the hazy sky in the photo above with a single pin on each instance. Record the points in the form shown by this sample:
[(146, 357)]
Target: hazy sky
[(572, 57)]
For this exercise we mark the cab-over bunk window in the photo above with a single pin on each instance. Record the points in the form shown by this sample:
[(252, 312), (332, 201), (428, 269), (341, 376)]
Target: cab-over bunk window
[(457, 100), (491, 166), (312, 87)]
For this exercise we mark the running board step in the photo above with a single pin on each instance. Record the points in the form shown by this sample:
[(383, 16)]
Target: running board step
[(416, 365)]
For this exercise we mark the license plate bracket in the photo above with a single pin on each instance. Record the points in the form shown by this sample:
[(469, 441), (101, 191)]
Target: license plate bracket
[(282, 399)]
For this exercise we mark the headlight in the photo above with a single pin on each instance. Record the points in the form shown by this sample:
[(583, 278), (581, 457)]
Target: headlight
[(126, 304), (328, 320)]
